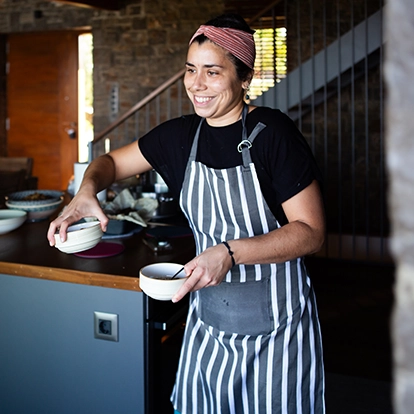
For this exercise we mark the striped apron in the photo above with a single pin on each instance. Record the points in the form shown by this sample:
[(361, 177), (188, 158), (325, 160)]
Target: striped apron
[(252, 344)]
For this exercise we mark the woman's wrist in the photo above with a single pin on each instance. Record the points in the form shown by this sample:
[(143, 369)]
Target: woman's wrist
[(230, 252)]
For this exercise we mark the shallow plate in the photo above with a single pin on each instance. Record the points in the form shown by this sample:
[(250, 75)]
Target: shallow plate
[(44, 197), (101, 250)]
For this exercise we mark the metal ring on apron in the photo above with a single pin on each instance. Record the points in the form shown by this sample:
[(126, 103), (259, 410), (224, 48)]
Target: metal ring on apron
[(245, 143)]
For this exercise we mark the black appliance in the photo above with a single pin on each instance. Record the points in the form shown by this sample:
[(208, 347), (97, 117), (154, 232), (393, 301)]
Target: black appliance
[(164, 329), (165, 320)]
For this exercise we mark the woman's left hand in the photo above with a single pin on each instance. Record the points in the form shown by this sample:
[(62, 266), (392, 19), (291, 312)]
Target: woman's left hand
[(207, 269)]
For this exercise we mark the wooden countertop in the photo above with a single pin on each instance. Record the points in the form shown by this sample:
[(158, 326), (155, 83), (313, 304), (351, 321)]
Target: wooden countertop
[(26, 252)]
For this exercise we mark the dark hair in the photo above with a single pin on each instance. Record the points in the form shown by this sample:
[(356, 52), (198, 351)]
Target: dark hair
[(233, 21)]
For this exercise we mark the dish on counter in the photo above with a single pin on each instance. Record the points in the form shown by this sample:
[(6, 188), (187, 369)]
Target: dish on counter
[(155, 280), (34, 197), (80, 237), (11, 220), (36, 212)]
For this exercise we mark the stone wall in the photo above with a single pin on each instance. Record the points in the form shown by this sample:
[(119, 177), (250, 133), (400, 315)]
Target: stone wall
[(399, 72), (143, 44), (137, 47)]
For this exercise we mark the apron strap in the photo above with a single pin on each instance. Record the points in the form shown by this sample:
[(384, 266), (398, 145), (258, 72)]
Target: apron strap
[(193, 152), (247, 142), (243, 147)]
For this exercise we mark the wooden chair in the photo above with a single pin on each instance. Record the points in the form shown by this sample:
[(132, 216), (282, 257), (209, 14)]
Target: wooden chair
[(10, 182), (17, 165)]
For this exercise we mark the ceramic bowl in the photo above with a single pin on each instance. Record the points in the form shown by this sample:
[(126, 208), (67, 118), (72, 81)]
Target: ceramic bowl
[(11, 219), (80, 237), (34, 197), (36, 212), (155, 280)]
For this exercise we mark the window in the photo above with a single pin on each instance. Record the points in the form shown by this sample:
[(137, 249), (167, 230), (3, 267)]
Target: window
[(271, 57)]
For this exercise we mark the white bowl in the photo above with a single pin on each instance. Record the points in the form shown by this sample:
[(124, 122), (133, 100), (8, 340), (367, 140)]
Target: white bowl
[(11, 219), (36, 212), (155, 280), (80, 237), (34, 197)]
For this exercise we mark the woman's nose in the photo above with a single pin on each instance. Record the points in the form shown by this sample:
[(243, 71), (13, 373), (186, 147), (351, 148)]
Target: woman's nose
[(198, 82)]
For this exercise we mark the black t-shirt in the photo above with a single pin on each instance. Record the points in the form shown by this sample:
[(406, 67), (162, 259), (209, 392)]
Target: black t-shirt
[(283, 160)]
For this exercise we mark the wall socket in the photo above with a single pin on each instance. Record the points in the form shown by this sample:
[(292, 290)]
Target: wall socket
[(106, 326)]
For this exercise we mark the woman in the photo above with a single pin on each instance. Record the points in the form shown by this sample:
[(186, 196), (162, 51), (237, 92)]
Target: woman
[(249, 187)]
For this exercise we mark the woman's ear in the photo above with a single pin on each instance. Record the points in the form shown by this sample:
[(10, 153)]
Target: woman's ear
[(248, 80)]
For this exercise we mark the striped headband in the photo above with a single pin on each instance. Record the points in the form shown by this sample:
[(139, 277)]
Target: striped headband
[(238, 42)]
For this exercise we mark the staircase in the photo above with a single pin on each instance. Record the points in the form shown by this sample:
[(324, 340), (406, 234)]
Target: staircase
[(355, 184), (308, 85), (318, 78)]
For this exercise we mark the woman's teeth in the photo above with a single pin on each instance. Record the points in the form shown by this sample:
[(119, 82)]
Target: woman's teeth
[(201, 99)]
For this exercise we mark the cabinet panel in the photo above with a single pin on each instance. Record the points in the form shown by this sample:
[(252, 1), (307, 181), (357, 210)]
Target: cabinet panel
[(50, 361)]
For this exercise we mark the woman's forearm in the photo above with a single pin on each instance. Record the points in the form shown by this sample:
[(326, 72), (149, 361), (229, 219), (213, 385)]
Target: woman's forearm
[(99, 175), (289, 242), (303, 235)]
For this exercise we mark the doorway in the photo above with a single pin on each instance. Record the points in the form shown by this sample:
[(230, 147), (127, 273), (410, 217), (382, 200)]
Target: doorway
[(43, 103), (85, 96)]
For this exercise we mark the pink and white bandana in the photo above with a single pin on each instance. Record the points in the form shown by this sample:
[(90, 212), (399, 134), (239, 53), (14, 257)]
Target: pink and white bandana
[(238, 42)]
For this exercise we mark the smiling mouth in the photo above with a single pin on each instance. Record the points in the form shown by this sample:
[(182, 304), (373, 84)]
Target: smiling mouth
[(202, 99)]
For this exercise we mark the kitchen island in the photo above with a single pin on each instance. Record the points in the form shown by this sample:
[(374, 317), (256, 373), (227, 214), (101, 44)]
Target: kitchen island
[(50, 360)]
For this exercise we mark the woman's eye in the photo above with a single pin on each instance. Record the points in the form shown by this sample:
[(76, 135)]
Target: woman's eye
[(212, 73), (190, 70)]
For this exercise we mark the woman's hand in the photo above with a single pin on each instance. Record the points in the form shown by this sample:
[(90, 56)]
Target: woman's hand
[(303, 235), (207, 269), (84, 204), (119, 164)]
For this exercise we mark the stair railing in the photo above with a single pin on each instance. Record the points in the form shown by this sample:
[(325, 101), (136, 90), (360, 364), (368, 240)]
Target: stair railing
[(142, 104), (344, 241)]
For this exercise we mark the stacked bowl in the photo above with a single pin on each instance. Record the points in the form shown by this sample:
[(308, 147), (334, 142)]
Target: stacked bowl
[(38, 204), (11, 220)]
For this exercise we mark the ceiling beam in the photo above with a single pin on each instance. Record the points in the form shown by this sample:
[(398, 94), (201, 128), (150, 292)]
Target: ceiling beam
[(97, 4)]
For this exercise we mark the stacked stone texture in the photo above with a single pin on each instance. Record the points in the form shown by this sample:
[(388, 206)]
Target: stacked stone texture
[(137, 48), (145, 43)]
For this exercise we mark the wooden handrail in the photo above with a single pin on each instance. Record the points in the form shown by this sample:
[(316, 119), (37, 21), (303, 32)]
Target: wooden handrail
[(97, 4), (163, 87), (139, 105)]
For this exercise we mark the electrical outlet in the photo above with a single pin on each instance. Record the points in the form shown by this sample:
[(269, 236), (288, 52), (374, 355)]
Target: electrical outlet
[(106, 326)]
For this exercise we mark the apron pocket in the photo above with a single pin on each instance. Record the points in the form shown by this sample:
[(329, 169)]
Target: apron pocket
[(243, 308)]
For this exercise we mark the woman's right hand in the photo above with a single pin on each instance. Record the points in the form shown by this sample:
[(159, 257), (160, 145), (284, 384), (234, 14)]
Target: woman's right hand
[(84, 204), (119, 164)]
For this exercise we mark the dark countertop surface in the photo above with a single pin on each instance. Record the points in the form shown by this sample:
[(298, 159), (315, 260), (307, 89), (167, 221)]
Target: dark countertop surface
[(26, 252)]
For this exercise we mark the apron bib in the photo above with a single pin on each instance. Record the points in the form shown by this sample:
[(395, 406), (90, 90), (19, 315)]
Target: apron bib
[(244, 325)]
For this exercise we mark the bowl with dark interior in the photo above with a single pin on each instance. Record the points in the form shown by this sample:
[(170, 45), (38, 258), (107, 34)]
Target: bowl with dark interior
[(34, 197), (156, 280)]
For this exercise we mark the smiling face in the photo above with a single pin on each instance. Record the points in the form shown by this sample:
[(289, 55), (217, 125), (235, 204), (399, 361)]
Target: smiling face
[(212, 84)]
